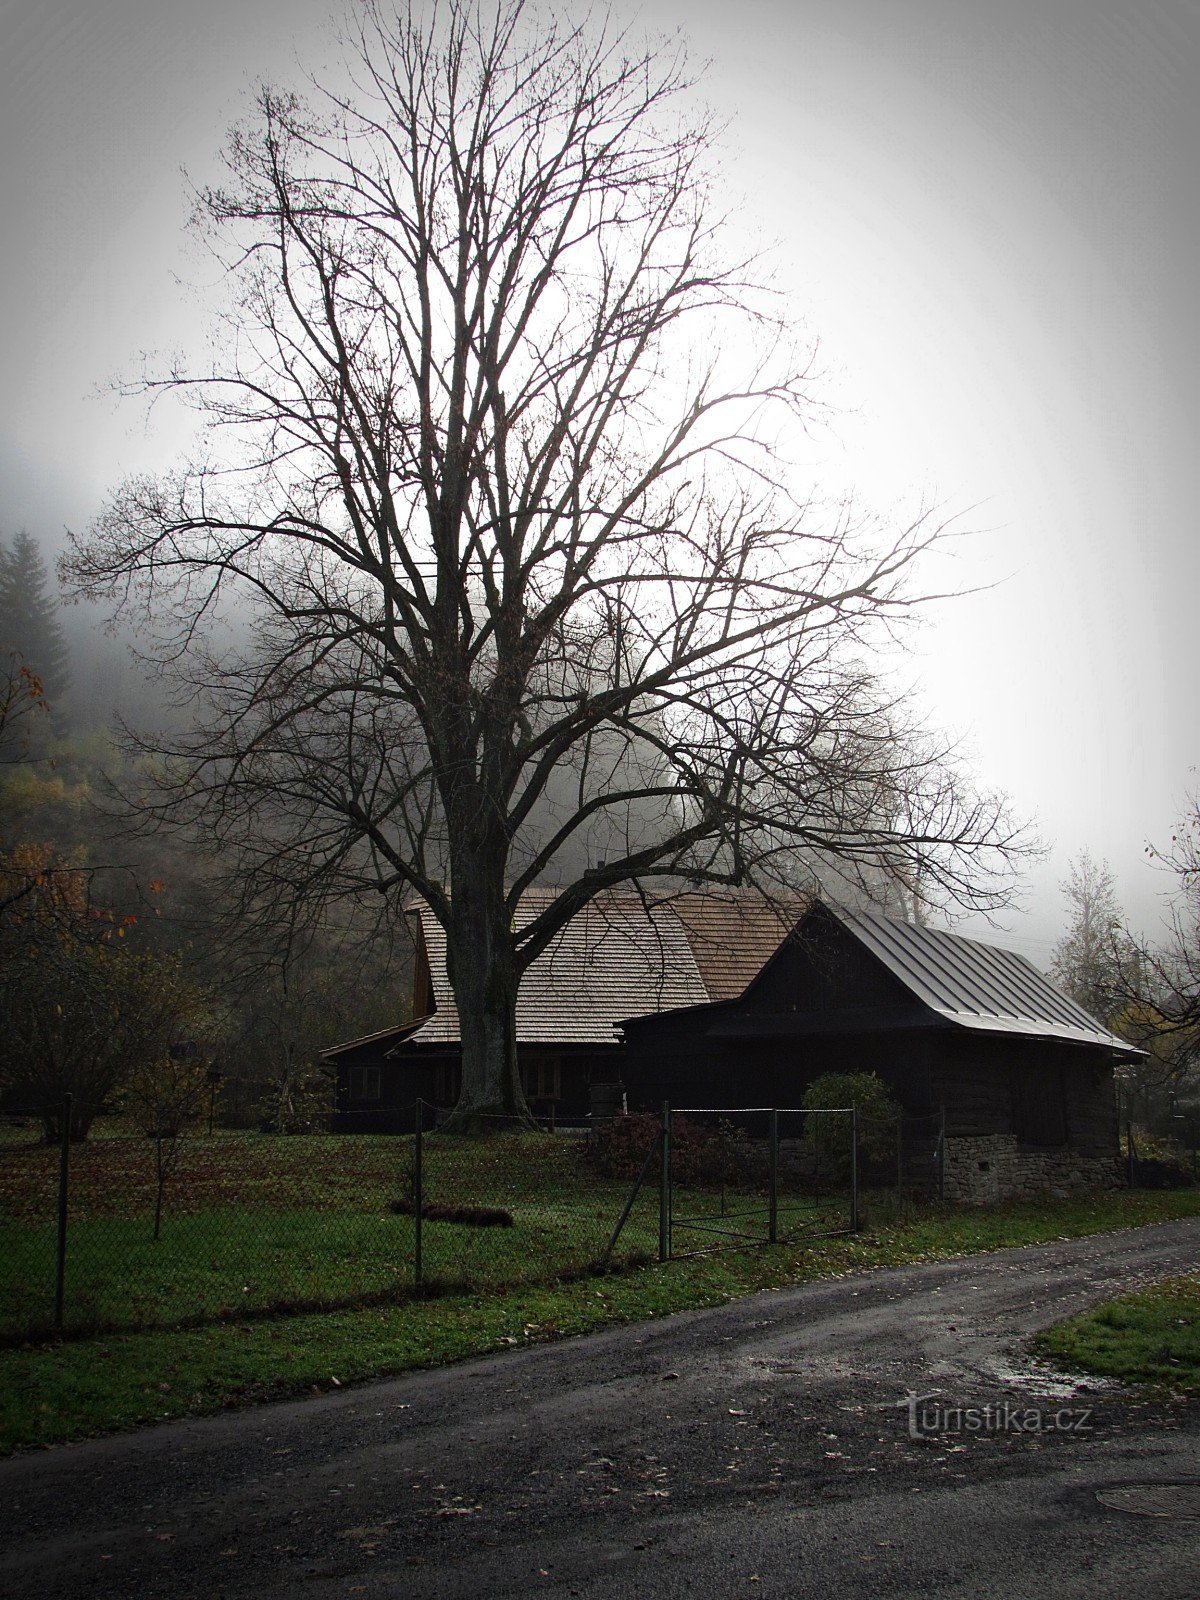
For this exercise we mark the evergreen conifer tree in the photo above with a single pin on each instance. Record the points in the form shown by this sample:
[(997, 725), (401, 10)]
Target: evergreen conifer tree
[(29, 624)]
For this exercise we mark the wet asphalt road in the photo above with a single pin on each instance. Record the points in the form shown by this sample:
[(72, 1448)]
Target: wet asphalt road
[(755, 1450)]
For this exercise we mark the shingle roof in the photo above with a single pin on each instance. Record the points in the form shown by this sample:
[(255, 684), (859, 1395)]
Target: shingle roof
[(614, 957), (620, 955), (975, 985), (734, 933)]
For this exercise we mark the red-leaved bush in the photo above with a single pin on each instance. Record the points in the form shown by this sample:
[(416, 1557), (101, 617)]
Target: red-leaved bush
[(701, 1154)]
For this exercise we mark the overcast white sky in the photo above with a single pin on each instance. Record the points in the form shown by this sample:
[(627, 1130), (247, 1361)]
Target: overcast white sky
[(987, 212)]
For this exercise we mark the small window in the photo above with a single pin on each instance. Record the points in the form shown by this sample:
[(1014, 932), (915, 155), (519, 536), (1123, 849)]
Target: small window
[(542, 1078), (364, 1083)]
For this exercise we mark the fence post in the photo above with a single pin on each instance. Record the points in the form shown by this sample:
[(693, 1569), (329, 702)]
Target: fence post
[(664, 1188), (773, 1217), (64, 1166), (418, 1194), (816, 1133), (1131, 1148), (941, 1153), (854, 1169), (900, 1157)]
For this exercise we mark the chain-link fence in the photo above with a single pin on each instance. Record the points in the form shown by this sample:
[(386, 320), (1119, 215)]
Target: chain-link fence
[(121, 1230), (504, 1206), (900, 1158), (757, 1175), (124, 1230)]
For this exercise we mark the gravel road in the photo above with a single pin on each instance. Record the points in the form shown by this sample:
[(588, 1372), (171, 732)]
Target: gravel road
[(759, 1449)]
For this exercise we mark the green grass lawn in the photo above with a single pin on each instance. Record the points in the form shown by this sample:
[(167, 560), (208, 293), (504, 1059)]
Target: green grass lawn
[(1150, 1337), (255, 1224), (69, 1390)]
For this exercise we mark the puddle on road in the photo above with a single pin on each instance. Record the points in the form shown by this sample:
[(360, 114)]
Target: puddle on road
[(1029, 1377), (1033, 1379)]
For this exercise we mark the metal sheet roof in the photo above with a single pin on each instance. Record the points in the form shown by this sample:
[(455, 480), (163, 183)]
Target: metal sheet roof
[(975, 985)]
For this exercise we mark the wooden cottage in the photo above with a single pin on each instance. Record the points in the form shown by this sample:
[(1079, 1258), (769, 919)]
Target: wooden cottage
[(622, 953), (1023, 1074)]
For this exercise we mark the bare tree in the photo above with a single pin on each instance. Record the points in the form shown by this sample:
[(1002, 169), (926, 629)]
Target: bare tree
[(1160, 979), (498, 475), (1087, 961)]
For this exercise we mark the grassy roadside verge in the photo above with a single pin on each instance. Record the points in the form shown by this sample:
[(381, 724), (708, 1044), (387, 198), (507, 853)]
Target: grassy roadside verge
[(1151, 1337), (52, 1394)]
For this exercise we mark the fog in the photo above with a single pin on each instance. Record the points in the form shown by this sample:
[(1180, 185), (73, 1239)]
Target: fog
[(986, 212)]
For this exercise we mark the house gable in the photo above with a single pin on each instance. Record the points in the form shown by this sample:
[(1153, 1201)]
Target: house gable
[(820, 971), (424, 997), (733, 933)]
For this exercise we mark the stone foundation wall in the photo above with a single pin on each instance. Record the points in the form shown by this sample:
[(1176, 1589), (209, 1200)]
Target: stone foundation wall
[(980, 1172)]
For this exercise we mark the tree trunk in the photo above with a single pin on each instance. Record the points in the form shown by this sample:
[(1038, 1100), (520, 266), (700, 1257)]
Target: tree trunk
[(483, 974), (82, 1117)]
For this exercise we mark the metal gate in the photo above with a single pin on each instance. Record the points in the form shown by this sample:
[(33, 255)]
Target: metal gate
[(757, 1175)]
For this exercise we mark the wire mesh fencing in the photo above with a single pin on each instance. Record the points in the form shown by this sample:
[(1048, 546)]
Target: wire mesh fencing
[(504, 1206), (757, 1175), (746, 1175), (122, 1230), (902, 1157)]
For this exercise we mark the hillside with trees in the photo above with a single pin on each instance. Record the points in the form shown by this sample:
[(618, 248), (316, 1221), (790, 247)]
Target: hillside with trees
[(120, 945)]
